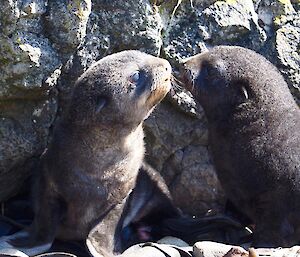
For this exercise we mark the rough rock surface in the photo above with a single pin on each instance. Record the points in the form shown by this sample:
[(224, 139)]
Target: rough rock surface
[(30, 66), (177, 146), (45, 45), (287, 47), (213, 249)]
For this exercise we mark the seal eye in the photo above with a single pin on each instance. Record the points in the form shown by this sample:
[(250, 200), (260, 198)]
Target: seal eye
[(209, 71), (135, 77), (101, 102)]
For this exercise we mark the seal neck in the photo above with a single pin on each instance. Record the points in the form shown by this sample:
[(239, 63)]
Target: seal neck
[(102, 135)]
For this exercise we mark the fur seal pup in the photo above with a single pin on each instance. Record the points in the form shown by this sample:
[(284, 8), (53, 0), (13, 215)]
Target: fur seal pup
[(254, 135), (96, 154)]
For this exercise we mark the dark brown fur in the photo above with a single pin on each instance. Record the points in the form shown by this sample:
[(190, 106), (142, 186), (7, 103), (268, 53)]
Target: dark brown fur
[(254, 134), (97, 151), (148, 206)]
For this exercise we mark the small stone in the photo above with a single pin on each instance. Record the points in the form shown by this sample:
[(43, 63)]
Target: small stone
[(213, 249), (138, 250), (237, 251), (151, 250), (172, 241)]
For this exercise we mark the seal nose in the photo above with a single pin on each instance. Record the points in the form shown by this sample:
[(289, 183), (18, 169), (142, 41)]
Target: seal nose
[(187, 72), (185, 69), (182, 61), (166, 69), (185, 64)]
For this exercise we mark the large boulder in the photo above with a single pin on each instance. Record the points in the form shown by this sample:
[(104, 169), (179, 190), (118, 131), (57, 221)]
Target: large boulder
[(30, 66)]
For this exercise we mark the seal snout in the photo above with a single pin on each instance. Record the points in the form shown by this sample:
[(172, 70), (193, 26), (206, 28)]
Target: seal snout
[(188, 73), (166, 70), (162, 75)]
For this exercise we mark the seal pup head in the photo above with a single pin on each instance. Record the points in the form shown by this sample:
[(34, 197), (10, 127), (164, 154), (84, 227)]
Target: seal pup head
[(122, 88), (228, 77)]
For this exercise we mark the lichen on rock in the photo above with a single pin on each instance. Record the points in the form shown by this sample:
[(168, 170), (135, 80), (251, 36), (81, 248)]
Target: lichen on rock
[(287, 47), (65, 23), (30, 68)]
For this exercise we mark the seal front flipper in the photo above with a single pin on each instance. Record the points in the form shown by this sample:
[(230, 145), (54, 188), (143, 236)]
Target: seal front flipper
[(105, 235), (149, 204), (21, 238), (38, 238), (137, 219), (278, 230)]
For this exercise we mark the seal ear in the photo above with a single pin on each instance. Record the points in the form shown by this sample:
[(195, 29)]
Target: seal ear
[(245, 92), (101, 102)]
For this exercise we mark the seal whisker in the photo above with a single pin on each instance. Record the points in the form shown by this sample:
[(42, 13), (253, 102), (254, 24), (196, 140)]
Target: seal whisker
[(176, 86), (178, 81)]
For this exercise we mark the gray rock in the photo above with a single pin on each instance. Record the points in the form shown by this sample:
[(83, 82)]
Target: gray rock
[(156, 250), (30, 67), (184, 33), (177, 147), (184, 101), (119, 25), (223, 22), (66, 23), (169, 240), (9, 15), (270, 11), (287, 47), (23, 136), (276, 252), (32, 61), (213, 249), (229, 20), (296, 4)]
